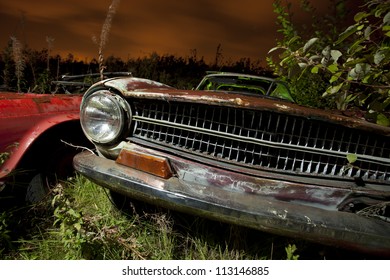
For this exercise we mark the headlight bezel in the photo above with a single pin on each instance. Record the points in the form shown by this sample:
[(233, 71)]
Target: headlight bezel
[(105, 117)]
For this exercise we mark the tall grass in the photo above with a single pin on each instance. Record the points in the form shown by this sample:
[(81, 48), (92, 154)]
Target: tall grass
[(18, 58), (78, 221), (104, 34)]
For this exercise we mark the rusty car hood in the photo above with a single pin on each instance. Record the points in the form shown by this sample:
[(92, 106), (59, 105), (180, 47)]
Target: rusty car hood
[(147, 89)]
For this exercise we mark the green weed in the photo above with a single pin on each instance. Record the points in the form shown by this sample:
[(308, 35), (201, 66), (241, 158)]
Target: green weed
[(5, 238), (78, 221), (3, 157), (290, 250)]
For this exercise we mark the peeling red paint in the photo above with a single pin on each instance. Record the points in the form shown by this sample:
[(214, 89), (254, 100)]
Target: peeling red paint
[(24, 117)]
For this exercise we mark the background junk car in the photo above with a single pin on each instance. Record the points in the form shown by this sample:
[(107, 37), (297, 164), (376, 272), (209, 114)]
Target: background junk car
[(34, 130), (245, 84), (255, 161)]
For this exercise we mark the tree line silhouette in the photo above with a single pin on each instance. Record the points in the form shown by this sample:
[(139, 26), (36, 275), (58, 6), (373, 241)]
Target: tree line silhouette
[(28, 70)]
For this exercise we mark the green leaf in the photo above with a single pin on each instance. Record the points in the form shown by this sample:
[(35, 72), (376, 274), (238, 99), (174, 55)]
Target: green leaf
[(326, 51), (379, 56), (352, 62), (293, 40), (386, 102), (356, 47), (302, 65), (359, 16), (381, 119), (386, 19), (352, 158), (274, 49), (387, 34), (335, 54), (309, 44), (386, 28), (360, 70), (378, 12), (285, 60), (367, 33), (333, 68), (335, 77), (333, 90), (350, 98), (366, 79), (314, 70), (315, 57), (348, 32), (290, 250), (77, 226), (360, 27)]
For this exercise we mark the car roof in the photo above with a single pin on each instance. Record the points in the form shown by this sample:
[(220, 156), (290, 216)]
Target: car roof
[(231, 74)]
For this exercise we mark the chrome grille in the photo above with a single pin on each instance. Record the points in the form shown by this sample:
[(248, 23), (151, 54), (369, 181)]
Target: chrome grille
[(263, 139)]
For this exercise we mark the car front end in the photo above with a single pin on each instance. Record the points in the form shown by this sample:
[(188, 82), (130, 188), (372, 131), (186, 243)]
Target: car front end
[(262, 163)]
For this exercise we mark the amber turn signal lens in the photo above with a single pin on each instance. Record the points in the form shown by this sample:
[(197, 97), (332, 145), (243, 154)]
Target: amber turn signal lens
[(158, 166)]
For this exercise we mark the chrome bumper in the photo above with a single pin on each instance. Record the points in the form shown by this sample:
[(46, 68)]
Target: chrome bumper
[(260, 212)]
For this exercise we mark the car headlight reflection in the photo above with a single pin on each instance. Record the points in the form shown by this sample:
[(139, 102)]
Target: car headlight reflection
[(103, 117)]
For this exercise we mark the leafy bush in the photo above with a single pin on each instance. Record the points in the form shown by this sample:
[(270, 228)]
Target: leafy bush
[(350, 69)]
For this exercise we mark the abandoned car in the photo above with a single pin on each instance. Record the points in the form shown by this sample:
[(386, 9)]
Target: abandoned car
[(260, 162), (31, 129), (245, 84)]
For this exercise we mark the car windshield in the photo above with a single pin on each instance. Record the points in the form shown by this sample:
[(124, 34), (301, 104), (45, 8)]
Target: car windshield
[(246, 84)]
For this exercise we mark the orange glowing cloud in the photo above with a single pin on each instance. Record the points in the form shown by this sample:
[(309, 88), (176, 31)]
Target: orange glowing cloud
[(244, 28)]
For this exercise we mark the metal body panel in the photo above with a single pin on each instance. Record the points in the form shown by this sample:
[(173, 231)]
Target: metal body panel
[(135, 87), (24, 117)]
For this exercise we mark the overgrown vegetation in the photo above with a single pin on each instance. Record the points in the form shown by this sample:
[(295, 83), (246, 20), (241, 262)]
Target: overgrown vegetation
[(181, 72), (334, 65), (78, 221), (327, 66)]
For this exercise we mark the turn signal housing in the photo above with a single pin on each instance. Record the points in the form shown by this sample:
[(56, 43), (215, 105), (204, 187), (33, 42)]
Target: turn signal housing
[(155, 165)]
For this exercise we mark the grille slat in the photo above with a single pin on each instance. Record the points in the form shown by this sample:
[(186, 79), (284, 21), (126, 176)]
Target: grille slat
[(264, 140)]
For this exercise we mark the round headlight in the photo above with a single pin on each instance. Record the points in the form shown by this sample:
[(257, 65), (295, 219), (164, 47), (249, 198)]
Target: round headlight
[(102, 117)]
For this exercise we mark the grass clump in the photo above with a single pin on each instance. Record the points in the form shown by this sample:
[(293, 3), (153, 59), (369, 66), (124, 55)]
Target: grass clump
[(78, 221)]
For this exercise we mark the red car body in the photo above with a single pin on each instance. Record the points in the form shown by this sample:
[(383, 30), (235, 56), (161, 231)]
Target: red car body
[(33, 129)]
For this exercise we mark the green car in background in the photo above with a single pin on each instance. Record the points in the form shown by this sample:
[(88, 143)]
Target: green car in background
[(245, 84)]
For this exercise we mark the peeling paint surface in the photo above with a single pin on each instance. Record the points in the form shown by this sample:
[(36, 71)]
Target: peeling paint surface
[(136, 87), (205, 176), (23, 117), (185, 193), (280, 213)]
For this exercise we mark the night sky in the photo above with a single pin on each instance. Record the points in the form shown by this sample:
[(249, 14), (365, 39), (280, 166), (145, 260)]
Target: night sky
[(243, 28)]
